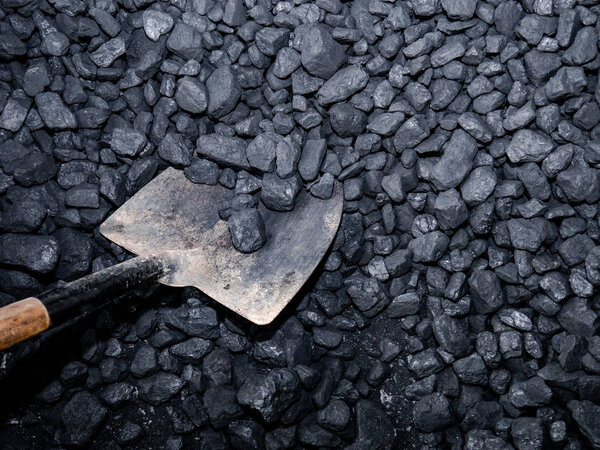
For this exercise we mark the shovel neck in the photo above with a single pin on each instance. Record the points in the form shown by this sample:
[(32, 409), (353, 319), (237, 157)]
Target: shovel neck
[(69, 299)]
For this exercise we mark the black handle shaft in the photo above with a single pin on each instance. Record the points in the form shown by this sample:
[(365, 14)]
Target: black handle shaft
[(62, 301)]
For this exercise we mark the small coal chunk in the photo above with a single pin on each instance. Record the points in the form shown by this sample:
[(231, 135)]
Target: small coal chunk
[(144, 362), (108, 52), (529, 393), (75, 253), (429, 247), (335, 416), (452, 335), (323, 187), (311, 434), (311, 159), (263, 150), (450, 209), (486, 291), (247, 230), (471, 370), (579, 183), (193, 350), (456, 161), (346, 120), (527, 234), (35, 253), (84, 195), (246, 434), (129, 433), (578, 318)]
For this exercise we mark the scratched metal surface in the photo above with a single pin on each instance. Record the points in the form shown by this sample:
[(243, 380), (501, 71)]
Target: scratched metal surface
[(176, 216)]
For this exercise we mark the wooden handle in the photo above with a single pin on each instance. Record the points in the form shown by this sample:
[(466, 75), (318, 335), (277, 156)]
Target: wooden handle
[(26, 318), (22, 320)]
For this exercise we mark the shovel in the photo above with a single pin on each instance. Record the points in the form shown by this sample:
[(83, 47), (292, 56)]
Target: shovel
[(174, 227)]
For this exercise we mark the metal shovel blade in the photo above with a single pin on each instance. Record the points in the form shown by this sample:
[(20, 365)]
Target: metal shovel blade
[(175, 216)]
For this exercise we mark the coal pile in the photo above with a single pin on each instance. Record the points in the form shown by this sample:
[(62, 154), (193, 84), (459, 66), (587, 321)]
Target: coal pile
[(458, 306)]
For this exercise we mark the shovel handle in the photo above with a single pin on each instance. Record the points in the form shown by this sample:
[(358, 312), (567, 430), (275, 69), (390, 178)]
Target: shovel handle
[(28, 317)]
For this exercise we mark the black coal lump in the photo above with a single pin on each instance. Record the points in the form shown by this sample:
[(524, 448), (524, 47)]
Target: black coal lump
[(247, 230)]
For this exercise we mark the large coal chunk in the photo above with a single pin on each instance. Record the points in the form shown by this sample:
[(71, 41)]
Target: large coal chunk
[(587, 416), (82, 417), (223, 91), (432, 413), (279, 194), (54, 112), (227, 150), (35, 253), (159, 387), (374, 425), (174, 149), (456, 161), (321, 56), (528, 146), (247, 230), (185, 41), (342, 85), (486, 291), (75, 254), (270, 394)]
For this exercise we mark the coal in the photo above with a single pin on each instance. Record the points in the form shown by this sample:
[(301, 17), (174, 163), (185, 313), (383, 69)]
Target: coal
[(223, 91), (127, 142), (82, 416), (156, 24), (270, 395), (159, 387), (35, 253), (528, 146), (223, 149), (320, 55), (54, 112), (432, 413), (247, 230)]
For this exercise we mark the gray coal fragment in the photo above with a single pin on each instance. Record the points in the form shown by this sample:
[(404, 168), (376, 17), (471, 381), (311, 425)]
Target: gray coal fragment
[(247, 230)]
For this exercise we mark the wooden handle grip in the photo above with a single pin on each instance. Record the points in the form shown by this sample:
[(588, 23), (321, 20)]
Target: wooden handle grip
[(22, 320)]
